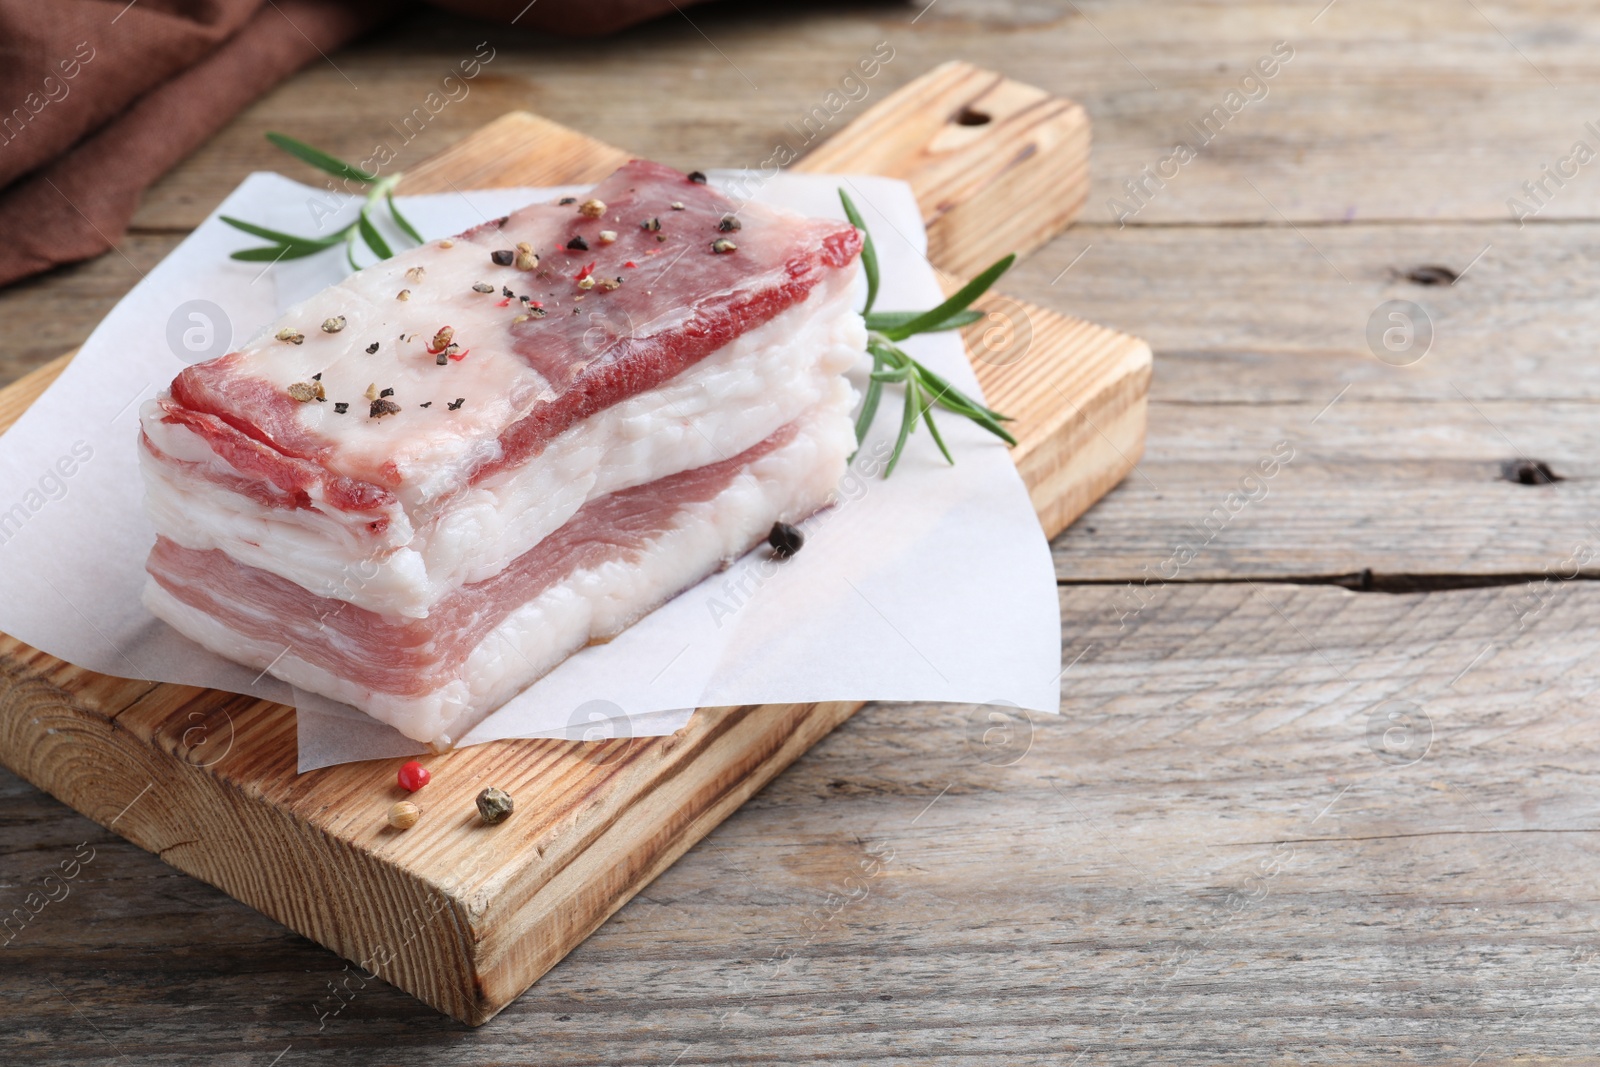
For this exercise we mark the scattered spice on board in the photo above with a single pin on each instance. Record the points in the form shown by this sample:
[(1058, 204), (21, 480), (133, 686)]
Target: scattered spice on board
[(494, 805), (785, 540), (413, 775), (404, 815), (293, 336), (333, 325), (502, 257)]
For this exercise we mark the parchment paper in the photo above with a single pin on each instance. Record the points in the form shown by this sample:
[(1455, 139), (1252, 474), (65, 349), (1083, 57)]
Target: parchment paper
[(933, 585)]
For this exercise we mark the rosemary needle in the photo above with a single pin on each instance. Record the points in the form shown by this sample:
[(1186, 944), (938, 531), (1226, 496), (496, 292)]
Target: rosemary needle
[(292, 246), (925, 390)]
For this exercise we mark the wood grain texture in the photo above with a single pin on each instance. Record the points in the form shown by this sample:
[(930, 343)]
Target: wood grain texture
[(465, 916), (1428, 110), (1097, 898), (1212, 857), (998, 166)]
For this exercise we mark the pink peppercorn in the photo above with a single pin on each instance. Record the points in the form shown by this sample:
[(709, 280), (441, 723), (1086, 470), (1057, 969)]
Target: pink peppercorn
[(413, 776)]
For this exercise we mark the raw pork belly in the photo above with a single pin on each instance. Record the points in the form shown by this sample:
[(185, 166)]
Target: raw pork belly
[(423, 488)]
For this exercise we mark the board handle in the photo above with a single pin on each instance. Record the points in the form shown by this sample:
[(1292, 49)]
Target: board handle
[(997, 166)]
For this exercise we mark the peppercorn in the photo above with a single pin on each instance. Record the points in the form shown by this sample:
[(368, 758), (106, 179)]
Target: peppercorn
[(578, 244), (722, 246), (785, 540), (503, 257), (697, 177), (592, 209), (729, 224), (607, 236), (494, 805), (404, 815), (373, 347), (482, 287), (652, 224), (333, 325), (293, 336), (526, 260), (413, 775)]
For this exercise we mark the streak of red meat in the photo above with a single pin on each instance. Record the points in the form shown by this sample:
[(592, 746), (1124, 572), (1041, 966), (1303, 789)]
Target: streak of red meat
[(680, 303), (415, 656)]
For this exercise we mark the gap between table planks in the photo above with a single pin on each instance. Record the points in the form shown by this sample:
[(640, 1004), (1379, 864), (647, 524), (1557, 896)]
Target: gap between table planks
[(464, 916)]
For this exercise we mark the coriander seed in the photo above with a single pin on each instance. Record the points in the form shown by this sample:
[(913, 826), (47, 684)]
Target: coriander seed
[(404, 815)]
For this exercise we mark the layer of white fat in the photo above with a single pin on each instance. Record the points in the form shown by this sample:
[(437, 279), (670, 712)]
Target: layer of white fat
[(728, 402), (593, 604)]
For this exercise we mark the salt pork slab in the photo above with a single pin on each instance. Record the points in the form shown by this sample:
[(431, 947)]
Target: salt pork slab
[(426, 486)]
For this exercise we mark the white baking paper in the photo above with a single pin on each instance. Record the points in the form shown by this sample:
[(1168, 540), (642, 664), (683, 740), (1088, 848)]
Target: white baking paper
[(934, 585)]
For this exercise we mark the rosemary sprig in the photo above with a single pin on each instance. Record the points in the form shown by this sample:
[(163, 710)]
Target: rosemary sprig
[(925, 390), (291, 246)]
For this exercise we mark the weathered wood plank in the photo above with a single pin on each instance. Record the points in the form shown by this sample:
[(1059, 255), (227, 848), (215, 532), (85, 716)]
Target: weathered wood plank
[(1215, 856), (1416, 111), (1258, 314), (1397, 487)]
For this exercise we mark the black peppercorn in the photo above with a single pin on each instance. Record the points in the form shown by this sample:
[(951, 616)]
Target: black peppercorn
[(785, 540), (578, 244), (503, 257)]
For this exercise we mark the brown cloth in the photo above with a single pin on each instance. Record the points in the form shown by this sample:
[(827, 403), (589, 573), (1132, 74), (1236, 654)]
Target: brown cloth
[(105, 96)]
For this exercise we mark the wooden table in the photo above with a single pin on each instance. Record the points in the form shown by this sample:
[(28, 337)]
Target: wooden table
[(1326, 795)]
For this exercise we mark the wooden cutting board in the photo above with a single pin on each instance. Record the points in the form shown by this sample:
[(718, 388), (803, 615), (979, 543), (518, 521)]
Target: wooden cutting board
[(466, 916)]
